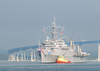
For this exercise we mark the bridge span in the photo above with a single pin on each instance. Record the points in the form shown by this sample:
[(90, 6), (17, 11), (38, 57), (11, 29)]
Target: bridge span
[(14, 55)]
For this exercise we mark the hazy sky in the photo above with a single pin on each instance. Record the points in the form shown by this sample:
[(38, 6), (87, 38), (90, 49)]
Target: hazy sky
[(22, 21)]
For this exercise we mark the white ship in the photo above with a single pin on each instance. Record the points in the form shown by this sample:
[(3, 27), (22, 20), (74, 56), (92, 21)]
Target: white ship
[(51, 49)]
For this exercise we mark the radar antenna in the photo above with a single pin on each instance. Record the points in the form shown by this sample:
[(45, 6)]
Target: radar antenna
[(54, 27)]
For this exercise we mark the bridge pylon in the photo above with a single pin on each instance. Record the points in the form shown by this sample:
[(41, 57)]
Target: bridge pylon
[(24, 56), (21, 55), (17, 57), (98, 51), (32, 55), (79, 48)]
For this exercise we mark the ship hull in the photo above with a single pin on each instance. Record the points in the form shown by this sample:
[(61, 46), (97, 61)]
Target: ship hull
[(52, 58), (48, 58)]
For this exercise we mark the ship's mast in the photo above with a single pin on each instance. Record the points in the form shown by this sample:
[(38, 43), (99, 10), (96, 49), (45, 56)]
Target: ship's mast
[(54, 32), (54, 27)]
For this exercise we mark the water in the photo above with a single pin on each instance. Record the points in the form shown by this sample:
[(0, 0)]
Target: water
[(37, 66)]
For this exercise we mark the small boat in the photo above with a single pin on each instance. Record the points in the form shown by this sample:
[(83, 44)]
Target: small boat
[(62, 59)]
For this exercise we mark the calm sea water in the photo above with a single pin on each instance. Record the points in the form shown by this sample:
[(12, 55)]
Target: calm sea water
[(37, 66)]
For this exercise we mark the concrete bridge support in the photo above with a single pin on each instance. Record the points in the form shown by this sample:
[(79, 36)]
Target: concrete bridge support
[(98, 51), (21, 55), (79, 48), (32, 55), (12, 57), (17, 57), (9, 57), (24, 55)]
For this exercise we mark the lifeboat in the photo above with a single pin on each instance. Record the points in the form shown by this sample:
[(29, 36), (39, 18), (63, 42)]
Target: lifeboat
[(62, 59)]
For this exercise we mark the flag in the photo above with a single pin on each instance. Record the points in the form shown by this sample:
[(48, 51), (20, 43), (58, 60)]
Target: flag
[(43, 30), (57, 30), (61, 32)]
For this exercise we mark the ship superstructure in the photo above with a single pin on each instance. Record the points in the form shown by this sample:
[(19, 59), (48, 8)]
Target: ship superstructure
[(51, 49)]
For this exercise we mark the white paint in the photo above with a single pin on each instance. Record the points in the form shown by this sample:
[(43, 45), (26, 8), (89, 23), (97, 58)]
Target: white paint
[(78, 48), (31, 54), (34, 55), (99, 52)]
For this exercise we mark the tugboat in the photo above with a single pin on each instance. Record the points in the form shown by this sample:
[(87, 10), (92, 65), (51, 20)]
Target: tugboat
[(62, 59)]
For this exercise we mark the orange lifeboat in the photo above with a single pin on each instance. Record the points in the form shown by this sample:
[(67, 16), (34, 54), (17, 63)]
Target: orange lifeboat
[(62, 59)]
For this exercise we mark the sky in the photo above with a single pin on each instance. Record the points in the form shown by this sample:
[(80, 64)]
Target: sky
[(22, 21)]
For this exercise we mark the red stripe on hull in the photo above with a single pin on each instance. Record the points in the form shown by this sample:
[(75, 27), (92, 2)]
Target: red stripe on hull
[(42, 51), (62, 62)]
